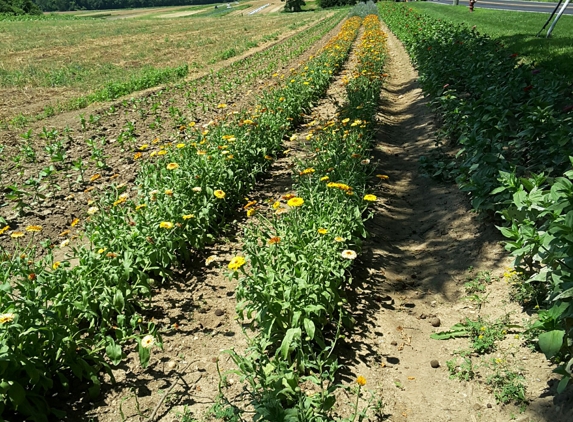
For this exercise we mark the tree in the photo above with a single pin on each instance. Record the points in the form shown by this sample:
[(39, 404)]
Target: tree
[(19, 7), (294, 5)]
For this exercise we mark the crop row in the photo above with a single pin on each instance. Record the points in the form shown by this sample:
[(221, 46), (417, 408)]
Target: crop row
[(53, 331), (298, 251), (40, 167), (513, 125)]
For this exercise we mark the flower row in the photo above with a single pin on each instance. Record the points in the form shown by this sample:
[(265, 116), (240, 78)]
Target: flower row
[(73, 316), (300, 249)]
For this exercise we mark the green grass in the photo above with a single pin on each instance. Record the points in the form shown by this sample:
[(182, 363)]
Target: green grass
[(517, 31)]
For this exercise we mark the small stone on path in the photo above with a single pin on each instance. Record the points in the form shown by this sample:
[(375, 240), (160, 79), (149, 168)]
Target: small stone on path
[(434, 363), (435, 322)]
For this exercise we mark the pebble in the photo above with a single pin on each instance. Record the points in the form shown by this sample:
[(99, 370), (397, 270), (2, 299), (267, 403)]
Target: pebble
[(394, 343), (219, 312), (434, 363), (477, 406), (435, 322), (489, 406)]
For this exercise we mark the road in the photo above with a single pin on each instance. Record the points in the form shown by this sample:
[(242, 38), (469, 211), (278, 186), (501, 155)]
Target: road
[(514, 5)]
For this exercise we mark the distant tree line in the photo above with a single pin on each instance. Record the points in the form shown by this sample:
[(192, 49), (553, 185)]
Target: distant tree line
[(334, 3), (19, 7), (61, 5)]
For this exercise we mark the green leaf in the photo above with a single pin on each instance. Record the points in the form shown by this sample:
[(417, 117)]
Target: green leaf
[(550, 342), (287, 340), (144, 355), (113, 351), (118, 300), (309, 327), (458, 330), (563, 384), (17, 394)]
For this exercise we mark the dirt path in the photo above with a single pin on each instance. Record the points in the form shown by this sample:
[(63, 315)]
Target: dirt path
[(424, 240)]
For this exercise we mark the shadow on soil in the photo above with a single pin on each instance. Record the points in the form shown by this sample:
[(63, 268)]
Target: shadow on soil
[(424, 237)]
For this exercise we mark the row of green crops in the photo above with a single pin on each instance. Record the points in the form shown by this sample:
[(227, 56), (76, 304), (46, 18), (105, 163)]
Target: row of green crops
[(65, 321), (298, 252), (514, 128)]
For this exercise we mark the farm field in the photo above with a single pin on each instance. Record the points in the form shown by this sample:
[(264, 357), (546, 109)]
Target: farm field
[(66, 64), (279, 236)]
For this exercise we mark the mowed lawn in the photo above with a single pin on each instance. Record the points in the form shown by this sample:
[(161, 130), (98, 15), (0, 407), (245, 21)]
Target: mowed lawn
[(517, 31)]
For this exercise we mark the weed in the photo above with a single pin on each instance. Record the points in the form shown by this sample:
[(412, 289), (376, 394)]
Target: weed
[(463, 371), (507, 385)]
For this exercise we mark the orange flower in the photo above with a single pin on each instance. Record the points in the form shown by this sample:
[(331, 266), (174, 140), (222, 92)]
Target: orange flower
[(274, 240)]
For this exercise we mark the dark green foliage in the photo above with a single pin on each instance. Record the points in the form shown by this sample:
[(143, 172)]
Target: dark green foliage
[(19, 7), (335, 3), (512, 126)]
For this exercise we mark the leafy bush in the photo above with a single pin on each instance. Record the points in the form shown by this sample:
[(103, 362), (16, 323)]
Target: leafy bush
[(512, 124)]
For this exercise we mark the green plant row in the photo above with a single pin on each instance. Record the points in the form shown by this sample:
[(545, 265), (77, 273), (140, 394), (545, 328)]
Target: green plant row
[(64, 321), (514, 129), (299, 252)]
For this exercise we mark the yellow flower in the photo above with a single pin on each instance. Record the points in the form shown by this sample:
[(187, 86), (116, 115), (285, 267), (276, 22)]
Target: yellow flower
[(382, 176), (268, 157), (162, 152), (16, 235), (236, 263), (180, 146), (219, 194), (95, 177), (101, 250), (65, 243), (222, 105), (251, 212), (324, 178), (295, 202), (276, 205), (322, 231), (370, 198), (188, 216), (361, 381), (34, 228), (4, 229), (169, 192), (143, 147), (7, 317), (138, 155), (346, 120), (166, 225), (482, 328), (249, 205), (140, 206), (339, 239), (121, 200), (172, 166), (147, 341), (348, 254), (56, 265), (306, 171), (340, 186)]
